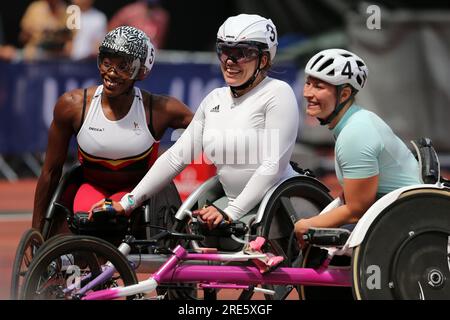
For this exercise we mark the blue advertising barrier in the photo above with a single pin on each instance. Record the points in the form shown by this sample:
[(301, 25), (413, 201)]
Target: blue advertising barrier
[(29, 91)]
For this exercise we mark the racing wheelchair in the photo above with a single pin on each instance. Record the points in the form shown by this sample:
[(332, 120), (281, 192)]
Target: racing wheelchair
[(399, 249), (60, 221), (396, 253), (295, 197), (302, 196)]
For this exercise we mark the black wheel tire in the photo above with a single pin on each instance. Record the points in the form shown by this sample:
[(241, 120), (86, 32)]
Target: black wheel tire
[(306, 189), (29, 244), (91, 247), (408, 244)]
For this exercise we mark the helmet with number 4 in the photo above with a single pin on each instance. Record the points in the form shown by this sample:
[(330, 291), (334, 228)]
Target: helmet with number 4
[(250, 29), (338, 67), (133, 44)]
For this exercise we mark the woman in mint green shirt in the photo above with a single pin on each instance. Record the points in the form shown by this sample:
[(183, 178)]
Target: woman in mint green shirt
[(370, 160)]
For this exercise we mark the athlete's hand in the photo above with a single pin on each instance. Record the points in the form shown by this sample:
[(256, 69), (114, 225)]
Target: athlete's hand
[(210, 215), (301, 227), (102, 207)]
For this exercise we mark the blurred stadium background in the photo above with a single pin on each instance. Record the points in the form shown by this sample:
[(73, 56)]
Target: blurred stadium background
[(408, 55)]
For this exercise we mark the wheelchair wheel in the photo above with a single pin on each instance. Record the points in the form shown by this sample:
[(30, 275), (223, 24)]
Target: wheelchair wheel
[(297, 198), (29, 244), (62, 267), (313, 258), (405, 253)]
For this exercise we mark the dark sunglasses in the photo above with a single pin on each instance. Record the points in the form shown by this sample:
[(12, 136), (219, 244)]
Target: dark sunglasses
[(238, 53)]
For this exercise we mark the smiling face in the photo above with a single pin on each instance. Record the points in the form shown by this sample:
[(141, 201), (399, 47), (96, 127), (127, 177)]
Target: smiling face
[(320, 97), (236, 74), (238, 62), (116, 72)]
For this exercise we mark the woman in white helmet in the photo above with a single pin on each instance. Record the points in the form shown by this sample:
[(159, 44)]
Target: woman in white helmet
[(370, 160), (251, 106)]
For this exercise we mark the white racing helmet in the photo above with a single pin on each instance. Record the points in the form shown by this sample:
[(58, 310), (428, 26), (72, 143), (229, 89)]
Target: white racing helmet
[(338, 67), (132, 43), (251, 29)]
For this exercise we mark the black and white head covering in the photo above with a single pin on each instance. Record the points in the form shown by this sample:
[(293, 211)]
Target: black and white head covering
[(133, 43)]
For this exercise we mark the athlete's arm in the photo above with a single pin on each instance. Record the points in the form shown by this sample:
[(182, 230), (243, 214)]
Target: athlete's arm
[(166, 167), (168, 112), (180, 115), (359, 194), (61, 129), (357, 157), (282, 126)]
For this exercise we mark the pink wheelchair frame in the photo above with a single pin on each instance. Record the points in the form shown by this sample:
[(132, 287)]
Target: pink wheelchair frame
[(224, 277)]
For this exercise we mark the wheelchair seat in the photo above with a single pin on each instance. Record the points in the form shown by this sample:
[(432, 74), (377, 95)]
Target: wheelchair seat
[(157, 211), (59, 219), (293, 198), (61, 201)]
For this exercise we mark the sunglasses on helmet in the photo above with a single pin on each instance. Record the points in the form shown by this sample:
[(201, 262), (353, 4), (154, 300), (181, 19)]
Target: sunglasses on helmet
[(237, 52)]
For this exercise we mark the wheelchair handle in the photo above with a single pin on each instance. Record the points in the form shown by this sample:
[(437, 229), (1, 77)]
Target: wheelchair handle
[(327, 236), (223, 224), (237, 228), (106, 211), (225, 217), (166, 234)]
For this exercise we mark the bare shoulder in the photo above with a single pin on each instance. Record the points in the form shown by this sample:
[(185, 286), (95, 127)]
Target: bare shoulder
[(163, 103), (69, 106), (169, 111)]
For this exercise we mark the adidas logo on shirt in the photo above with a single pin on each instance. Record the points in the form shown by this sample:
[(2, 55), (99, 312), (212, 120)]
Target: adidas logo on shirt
[(215, 109)]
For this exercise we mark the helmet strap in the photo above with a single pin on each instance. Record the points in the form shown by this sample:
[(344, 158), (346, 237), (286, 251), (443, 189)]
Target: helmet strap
[(249, 82), (136, 65), (339, 106), (131, 88)]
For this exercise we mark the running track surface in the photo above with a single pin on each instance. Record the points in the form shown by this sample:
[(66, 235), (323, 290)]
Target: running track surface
[(16, 203)]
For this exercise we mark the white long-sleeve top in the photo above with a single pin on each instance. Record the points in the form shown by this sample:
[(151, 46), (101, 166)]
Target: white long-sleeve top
[(249, 139)]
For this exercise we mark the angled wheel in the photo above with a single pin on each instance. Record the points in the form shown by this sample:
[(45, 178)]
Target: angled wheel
[(297, 198), (29, 244), (62, 268), (405, 253)]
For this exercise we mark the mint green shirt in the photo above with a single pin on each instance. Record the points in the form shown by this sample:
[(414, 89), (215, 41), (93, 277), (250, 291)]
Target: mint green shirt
[(366, 146)]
